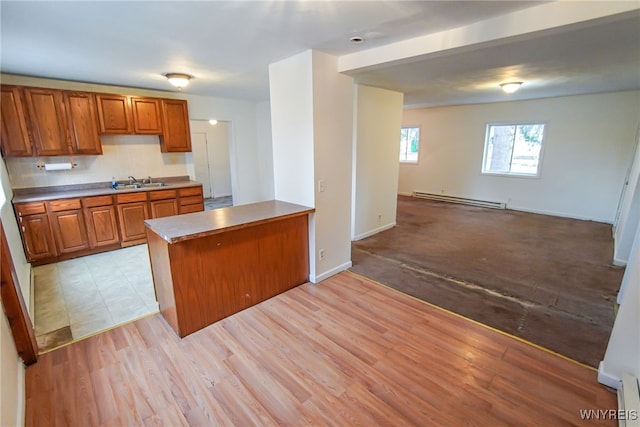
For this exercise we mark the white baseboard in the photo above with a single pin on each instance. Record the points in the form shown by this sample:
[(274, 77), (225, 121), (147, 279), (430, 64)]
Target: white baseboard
[(320, 277), (606, 378), (374, 231), (619, 262), (405, 194)]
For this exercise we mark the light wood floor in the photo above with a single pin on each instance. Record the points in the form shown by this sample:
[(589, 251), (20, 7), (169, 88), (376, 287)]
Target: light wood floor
[(344, 352)]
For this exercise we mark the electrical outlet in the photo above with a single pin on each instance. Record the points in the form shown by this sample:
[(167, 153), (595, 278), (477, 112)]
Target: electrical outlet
[(379, 217), (321, 254)]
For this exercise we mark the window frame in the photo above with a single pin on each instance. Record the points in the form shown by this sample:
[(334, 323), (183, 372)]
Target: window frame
[(538, 173), (411, 162)]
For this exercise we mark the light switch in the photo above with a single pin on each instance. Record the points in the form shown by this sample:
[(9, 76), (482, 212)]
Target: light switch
[(320, 185)]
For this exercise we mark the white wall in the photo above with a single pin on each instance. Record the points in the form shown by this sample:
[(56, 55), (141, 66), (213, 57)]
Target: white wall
[(623, 350), (12, 393), (265, 150), (377, 134), (291, 90), (311, 121), (629, 210), (246, 182), (588, 145), (333, 136), (123, 155), (12, 396)]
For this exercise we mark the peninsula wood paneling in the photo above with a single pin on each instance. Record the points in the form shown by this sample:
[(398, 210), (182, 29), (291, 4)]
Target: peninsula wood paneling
[(343, 352), (217, 275)]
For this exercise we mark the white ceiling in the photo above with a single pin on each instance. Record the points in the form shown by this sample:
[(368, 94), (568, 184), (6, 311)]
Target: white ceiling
[(228, 45)]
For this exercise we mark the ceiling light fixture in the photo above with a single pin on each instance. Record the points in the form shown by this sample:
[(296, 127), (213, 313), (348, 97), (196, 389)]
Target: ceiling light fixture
[(213, 122), (356, 39), (510, 87), (179, 80)]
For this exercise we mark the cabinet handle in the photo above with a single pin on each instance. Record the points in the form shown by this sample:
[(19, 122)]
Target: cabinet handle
[(23, 230)]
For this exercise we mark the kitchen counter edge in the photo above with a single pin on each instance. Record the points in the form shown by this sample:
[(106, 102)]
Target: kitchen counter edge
[(24, 196), (179, 228)]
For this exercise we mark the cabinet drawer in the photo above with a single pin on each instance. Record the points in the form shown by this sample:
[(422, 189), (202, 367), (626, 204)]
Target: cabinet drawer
[(132, 197), (162, 194), (191, 191), (191, 208), (30, 208), (91, 202), (192, 200), (64, 205)]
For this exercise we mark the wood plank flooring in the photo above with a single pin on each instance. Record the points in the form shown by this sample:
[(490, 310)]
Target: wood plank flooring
[(344, 352)]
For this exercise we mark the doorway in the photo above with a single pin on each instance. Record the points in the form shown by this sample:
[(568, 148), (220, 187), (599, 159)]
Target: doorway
[(210, 145)]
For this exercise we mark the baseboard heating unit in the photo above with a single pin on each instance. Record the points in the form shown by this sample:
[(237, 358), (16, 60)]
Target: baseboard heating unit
[(629, 402), (461, 200)]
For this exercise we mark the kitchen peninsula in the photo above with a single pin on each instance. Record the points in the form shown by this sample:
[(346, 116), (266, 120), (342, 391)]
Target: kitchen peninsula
[(209, 265)]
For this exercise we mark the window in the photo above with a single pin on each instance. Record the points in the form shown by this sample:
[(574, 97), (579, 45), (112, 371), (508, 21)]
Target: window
[(409, 144), (513, 149)]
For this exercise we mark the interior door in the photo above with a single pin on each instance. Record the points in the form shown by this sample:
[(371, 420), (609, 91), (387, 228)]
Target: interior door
[(201, 161)]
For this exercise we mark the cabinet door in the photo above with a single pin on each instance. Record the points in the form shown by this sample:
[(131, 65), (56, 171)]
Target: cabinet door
[(14, 139), (69, 230), (162, 208), (146, 116), (37, 237), (132, 216), (176, 136), (82, 122), (102, 226), (48, 121), (114, 115)]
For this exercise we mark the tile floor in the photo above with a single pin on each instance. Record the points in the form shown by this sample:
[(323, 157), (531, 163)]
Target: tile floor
[(83, 296)]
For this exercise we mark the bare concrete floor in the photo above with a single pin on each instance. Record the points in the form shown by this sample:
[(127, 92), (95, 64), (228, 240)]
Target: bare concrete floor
[(548, 280)]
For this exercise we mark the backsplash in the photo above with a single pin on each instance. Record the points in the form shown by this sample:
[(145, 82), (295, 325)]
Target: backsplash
[(123, 155)]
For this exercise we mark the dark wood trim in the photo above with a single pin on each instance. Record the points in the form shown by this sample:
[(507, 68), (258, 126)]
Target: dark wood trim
[(14, 306)]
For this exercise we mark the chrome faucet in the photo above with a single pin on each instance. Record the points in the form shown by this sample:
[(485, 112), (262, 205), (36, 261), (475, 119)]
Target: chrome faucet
[(132, 180)]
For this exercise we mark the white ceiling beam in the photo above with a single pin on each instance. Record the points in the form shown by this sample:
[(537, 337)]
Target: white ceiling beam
[(544, 17)]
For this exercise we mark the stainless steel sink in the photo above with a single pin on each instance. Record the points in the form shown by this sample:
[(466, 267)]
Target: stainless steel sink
[(140, 185)]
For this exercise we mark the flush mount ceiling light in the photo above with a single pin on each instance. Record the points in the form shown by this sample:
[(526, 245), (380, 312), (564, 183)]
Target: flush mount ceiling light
[(179, 80), (213, 122), (510, 87)]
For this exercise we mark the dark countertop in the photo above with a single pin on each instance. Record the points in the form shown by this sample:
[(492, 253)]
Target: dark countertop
[(22, 195), (178, 228)]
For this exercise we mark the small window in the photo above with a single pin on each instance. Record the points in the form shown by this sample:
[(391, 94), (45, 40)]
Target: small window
[(409, 144), (513, 149)]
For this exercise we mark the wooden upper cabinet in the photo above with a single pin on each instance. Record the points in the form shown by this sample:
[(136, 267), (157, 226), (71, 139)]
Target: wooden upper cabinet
[(176, 136), (147, 118), (14, 139), (82, 122), (114, 114), (48, 121)]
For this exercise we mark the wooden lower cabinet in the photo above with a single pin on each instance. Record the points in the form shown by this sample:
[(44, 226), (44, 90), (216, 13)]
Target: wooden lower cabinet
[(37, 237), (101, 219), (191, 200), (60, 229), (70, 231), (163, 203), (68, 225), (162, 208), (131, 217)]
